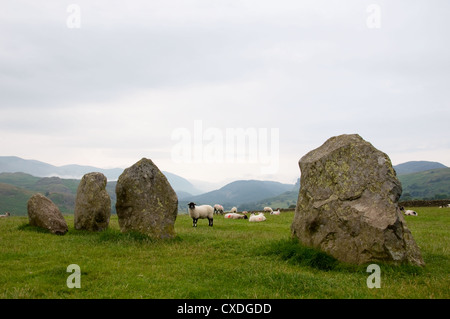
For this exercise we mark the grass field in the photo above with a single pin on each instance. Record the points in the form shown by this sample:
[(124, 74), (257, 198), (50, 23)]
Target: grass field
[(234, 259)]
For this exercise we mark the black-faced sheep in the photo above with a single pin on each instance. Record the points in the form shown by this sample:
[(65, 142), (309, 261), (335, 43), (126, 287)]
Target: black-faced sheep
[(275, 212), (268, 210), (202, 211), (408, 212), (233, 210), (6, 215), (218, 209)]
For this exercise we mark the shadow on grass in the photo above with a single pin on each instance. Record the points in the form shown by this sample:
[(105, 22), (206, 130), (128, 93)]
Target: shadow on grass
[(293, 252), (36, 229), (116, 236), (108, 235)]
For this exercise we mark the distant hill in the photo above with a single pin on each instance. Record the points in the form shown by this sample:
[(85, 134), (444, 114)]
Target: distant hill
[(13, 164), (424, 184), (284, 200), (239, 192), (417, 166), (14, 199), (430, 184), (17, 188)]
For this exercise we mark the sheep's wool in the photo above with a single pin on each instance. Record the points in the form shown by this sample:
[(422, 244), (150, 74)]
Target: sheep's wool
[(348, 204), (146, 202)]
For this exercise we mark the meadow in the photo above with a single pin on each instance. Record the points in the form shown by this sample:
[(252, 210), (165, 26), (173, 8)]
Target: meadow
[(234, 259)]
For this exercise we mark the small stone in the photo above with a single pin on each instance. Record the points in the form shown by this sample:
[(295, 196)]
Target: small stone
[(42, 212)]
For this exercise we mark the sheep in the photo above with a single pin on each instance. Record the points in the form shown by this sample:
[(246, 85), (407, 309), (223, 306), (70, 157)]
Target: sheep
[(245, 212), (411, 213), (276, 212), (218, 209), (202, 211), (233, 210), (448, 205), (235, 216), (257, 218), (408, 212), (6, 215), (268, 210)]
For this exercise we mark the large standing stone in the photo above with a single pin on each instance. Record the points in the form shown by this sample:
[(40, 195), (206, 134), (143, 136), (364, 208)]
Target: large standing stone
[(42, 212), (93, 204), (145, 201), (348, 204)]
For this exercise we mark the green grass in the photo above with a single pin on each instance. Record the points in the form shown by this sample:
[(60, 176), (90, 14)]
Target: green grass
[(233, 259)]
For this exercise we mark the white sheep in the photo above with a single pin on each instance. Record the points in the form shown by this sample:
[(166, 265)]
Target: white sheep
[(235, 216), (257, 218), (202, 211), (233, 210), (408, 212), (411, 213), (6, 215), (218, 209), (275, 212), (448, 205), (268, 210)]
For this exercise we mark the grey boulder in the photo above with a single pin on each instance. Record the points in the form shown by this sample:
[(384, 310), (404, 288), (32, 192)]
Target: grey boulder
[(348, 204), (92, 204), (42, 212), (146, 202)]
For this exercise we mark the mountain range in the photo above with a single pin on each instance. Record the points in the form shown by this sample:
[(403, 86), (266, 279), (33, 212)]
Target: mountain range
[(20, 179), (417, 166), (240, 192), (13, 164)]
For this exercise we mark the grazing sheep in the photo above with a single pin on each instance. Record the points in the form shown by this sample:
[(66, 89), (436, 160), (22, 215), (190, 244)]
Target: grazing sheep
[(202, 211), (275, 212), (245, 212), (268, 210), (233, 210), (257, 218), (6, 215), (408, 212), (235, 216), (448, 205), (218, 209)]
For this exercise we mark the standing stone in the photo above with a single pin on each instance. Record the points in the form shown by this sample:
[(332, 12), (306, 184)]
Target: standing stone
[(42, 212), (348, 204), (145, 201), (93, 204)]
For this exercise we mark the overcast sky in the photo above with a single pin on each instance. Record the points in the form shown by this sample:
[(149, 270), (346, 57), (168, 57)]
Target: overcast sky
[(105, 83)]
